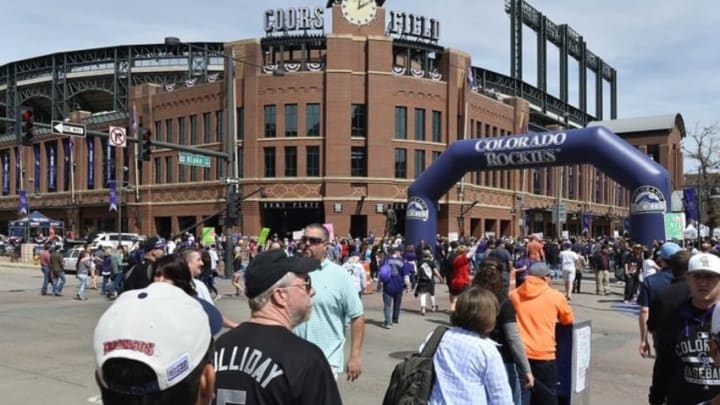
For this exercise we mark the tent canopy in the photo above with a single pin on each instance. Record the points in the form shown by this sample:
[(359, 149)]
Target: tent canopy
[(36, 219)]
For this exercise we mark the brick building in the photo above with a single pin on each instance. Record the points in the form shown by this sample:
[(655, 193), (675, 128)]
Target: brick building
[(355, 115)]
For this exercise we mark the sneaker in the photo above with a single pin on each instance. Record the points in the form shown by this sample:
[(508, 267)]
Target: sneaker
[(387, 326)]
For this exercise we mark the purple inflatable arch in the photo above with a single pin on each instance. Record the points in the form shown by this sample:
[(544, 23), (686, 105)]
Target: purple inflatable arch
[(648, 181)]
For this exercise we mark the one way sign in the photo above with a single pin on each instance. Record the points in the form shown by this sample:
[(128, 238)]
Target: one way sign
[(68, 128)]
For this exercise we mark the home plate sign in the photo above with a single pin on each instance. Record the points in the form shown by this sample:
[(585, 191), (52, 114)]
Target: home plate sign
[(118, 136)]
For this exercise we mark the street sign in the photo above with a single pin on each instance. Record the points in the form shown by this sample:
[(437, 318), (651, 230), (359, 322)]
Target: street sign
[(118, 137), (68, 128), (232, 180), (191, 159)]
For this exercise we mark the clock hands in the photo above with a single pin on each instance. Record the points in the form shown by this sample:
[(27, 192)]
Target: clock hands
[(362, 4)]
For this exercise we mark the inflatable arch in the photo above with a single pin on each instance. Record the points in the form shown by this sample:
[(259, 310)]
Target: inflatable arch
[(648, 181)]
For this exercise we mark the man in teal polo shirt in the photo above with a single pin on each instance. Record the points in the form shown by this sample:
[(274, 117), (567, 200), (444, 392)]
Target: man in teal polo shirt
[(335, 301)]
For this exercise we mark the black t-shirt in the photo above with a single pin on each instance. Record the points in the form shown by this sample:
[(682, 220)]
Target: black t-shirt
[(139, 276), (268, 365), (506, 315), (668, 301)]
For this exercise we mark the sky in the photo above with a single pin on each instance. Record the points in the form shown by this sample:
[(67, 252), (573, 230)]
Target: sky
[(664, 51)]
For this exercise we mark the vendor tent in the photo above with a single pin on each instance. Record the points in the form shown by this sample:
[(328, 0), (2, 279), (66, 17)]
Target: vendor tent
[(30, 225)]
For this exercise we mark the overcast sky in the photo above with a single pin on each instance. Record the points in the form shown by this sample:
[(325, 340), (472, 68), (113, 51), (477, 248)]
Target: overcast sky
[(665, 51)]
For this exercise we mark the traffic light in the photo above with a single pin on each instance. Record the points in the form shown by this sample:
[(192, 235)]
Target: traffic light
[(232, 204), (238, 201), (145, 144), (27, 127)]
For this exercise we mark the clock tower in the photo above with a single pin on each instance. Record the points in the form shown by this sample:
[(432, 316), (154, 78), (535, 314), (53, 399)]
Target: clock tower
[(358, 17)]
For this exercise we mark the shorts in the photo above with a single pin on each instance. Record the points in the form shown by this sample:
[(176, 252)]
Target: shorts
[(569, 275)]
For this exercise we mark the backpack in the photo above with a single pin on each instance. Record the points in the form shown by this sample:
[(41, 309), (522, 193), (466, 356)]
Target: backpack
[(385, 272), (412, 379)]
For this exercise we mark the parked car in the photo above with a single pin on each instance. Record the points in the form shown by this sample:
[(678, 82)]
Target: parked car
[(110, 240), (70, 258)]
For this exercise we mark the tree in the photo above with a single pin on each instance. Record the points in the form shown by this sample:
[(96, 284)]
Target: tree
[(702, 147)]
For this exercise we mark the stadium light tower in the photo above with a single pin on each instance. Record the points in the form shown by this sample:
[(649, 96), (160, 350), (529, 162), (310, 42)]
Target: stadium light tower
[(230, 149)]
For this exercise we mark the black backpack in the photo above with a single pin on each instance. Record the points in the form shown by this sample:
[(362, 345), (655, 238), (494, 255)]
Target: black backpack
[(412, 379)]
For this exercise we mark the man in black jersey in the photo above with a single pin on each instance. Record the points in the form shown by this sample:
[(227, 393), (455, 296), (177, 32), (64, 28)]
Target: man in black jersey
[(261, 361), (684, 372)]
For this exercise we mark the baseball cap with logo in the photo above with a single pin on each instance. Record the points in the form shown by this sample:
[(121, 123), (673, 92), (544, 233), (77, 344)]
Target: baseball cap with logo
[(160, 326), (704, 262)]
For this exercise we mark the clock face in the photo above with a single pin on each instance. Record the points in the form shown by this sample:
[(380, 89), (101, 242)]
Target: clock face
[(359, 12)]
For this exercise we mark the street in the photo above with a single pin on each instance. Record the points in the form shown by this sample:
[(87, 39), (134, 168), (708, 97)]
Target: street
[(47, 353)]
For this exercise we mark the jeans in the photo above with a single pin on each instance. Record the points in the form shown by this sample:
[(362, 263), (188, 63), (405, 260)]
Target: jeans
[(543, 393), (59, 282), (394, 301), (46, 279), (105, 282), (514, 380), (116, 285), (83, 284), (631, 286)]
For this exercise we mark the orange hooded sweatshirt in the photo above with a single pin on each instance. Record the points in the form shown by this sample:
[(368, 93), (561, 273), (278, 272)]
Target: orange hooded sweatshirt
[(539, 307)]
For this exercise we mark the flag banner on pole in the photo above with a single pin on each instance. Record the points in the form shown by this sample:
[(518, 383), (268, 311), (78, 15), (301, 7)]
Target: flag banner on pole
[(36, 153), (113, 195), (52, 167), (18, 172), (6, 173), (690, 202), (23, 208), (586, 221), (470, 77), (91, 163)]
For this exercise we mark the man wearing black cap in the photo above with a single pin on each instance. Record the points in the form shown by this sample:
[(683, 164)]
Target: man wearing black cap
[(141, 274), (262, 361)]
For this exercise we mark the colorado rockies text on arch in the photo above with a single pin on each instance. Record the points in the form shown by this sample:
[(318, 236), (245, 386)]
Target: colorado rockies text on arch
[(496, 155)]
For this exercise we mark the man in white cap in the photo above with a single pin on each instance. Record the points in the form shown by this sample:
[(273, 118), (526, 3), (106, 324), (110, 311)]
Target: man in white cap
[(684, 372), (154, 346)]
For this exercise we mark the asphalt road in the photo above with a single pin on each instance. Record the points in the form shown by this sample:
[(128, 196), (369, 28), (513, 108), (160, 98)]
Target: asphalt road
[(46, 351)]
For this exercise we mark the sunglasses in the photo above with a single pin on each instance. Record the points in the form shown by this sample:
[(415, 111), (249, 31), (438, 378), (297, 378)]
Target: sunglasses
[(312, 240), (307, 285)]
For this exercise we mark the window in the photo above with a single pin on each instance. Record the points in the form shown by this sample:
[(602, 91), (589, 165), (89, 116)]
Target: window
[(359, 122), (206, 127), (312, 119), (571, 183), (193, 173), (435, 155), (548, 180), (400, 163), (219, 168), (536, 181), (181, 131), (400, 123), (168, 170), (181, 174), (290, 161), (240, 117), (219, 124), (290, 119), (270, 121), (437, 126), (168, 131), (269, 162), (239, 157), (193, 130), (419, 124), (158, 131), (580, 183), (358, 161), (419, 162), (312, 165), (158, 171)]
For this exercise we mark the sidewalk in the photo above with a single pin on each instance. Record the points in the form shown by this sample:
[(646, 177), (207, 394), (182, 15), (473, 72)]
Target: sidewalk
[(5, 262)]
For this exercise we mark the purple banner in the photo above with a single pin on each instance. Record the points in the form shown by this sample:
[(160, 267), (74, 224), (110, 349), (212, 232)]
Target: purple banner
[(108, 162), (68, 164), (527, 217), (23, 202), (52, 166), (6, 173), (586, 221), (36, 153), (113, 195), (18, 172), (690, 202), (91, 163)]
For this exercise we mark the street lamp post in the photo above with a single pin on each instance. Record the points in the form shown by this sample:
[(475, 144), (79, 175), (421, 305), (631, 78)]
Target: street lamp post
[(230, 147)]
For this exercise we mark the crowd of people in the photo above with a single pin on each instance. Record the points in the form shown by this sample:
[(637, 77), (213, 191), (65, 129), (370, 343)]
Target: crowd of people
[(305, 298)]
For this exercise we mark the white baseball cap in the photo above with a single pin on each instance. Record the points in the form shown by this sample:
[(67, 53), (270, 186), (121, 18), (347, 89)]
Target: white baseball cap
[(704, 262), (160, 326)]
